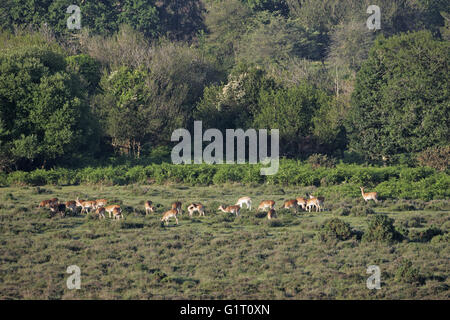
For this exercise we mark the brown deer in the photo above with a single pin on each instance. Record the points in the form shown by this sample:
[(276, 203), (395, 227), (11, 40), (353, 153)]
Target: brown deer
[(266, 204), (288, 204), (245, 200), (177, 206), (149, 207), (271, 214), (369, 195), (172, 213), (231, 209), (196, 207)]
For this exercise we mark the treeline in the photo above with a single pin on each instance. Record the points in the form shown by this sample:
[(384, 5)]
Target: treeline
[(139, 69)]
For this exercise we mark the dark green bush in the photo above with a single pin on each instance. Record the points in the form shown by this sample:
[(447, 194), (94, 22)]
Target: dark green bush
[(361, 211), (381, 229), (426, 235), (334, 229), (407, 273)]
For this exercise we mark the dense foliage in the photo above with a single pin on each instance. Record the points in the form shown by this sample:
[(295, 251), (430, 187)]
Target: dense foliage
[(139, 69)]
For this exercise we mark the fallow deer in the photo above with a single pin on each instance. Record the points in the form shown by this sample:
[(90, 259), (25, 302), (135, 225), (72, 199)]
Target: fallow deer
[(117, 213), (149, 207), (58, 208), (266, 204), (245, 200), (100, 212), (317, 202), (85, 205), (288, 204), (369, 195), (100, 203), (271, 214), (177, 206), (196, 207), (71, 205), (301, 202), (231, 209), (172, 213), (110, 209)]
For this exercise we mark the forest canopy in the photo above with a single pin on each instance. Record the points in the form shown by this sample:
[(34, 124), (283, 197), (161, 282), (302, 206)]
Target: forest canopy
[(139, 69)]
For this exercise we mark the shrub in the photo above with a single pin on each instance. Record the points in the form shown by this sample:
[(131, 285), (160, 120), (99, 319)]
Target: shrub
[(426, 235), (381, 228), (334, 229), (407, 273), (361, 211), (435, 157), (445, 238)]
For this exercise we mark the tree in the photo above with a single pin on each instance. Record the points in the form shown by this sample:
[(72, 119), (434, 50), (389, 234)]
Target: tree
[(291, 111), (43, 112), (401, 98), (234, 104)]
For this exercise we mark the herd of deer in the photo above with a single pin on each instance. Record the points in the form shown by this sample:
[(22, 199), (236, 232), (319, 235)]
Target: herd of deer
[(100, 207)]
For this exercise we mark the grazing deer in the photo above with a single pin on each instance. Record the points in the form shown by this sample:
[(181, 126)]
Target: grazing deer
[(169, 214), (58, 208), (100, 212), (301, 202), (71, 205), (196, 207), (85, 205), (369, 195), (245, 200), (271, 214), (231, 209), (110, 209), (117, 213), (270, 204), (316, 202), (100, 203), (54, 201), (288, 204), (45, 203), (177, 206), (149, 207)]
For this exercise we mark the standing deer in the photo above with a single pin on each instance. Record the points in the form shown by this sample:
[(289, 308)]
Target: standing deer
[(85, 205), (315, 202), (149, 207), (100, 203), (301, 202), (177, 206), (288, 204), (245, 200), (196, 207), (117, 213), (369, 195), (100, 212), (110, 209)]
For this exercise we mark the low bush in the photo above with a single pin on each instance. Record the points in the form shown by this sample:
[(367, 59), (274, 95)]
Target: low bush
[(361, 211), (381, 229), (334, 229), (426, 235), (407, 273)]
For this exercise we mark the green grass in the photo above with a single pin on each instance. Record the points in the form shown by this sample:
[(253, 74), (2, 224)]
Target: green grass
[(217, 256)]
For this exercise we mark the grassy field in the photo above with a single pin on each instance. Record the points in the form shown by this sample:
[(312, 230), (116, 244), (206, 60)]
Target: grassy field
[(217, 256)]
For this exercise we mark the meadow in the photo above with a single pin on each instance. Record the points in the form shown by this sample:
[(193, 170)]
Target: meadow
[(301, 255)]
